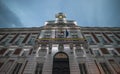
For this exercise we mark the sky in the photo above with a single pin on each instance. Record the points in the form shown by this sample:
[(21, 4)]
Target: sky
[(34, 13)]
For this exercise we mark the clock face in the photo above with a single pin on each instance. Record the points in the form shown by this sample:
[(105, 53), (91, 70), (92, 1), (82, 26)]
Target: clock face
[(60, 16)]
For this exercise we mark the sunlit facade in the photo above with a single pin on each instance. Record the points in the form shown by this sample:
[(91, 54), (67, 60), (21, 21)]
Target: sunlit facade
[(60, 46)]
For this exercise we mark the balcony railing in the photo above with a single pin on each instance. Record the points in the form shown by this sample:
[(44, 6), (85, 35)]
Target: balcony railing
[(61, 40)]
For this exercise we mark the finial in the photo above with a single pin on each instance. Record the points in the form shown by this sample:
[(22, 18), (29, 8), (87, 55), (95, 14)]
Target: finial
[(60, 15)]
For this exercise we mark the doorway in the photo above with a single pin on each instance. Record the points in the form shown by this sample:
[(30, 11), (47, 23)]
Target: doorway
[(60, 63)]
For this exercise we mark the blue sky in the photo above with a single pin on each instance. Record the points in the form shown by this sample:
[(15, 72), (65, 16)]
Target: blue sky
[(33, 13)]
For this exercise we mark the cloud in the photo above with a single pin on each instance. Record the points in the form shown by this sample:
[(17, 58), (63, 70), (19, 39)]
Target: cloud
[(8, 18), (33, 13)]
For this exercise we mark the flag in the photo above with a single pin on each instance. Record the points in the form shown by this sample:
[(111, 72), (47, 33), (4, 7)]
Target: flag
[(67, 33)]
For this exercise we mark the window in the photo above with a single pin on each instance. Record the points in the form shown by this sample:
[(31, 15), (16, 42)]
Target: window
[(19, 41), (60, 34), (9, 53), (32, 40), (17, 51), (74, 34), (42, 52), (39, 67), (104, 50), (7, 66), (1, 63), (2, 51), (6, 41), (47, 34), (17, 68), (89, 39), (26, 38), (4, 36), (113, 52), (30, 51), (114, 65), (14, 38), (102, 40), (118, 50), (82, 68), (105, 68), (115, 39), (97, 53), (91, 51), (117, 35), (25, 52), (1, 35)]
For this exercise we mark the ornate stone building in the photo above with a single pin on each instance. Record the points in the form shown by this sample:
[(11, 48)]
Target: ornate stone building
[(60, 47)]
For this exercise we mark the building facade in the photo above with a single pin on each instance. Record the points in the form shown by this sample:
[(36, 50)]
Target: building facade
[(60, 47)]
